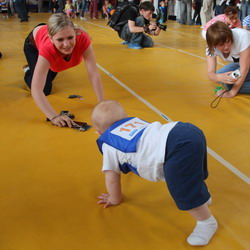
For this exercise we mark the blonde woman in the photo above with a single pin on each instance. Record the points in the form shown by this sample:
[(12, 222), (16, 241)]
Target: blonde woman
[(52, 48)]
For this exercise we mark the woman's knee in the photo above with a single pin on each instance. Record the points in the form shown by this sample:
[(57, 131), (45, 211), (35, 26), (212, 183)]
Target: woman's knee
[(228, 68)]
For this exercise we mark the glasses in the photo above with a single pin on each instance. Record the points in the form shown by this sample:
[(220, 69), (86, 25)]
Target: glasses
[(233, 17)]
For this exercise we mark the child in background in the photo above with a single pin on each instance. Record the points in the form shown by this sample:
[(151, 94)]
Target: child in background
[(4, 8), (54, 6), (230, 18), (246, 23), (163, 9), (174, 152), (69, 9), (107, 9), (76, 4)]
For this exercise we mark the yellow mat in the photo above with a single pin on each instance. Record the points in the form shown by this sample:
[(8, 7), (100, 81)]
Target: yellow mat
[(50, 177)]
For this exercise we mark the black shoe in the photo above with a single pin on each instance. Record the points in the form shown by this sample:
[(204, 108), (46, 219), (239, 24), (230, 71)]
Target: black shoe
[(1, 55), (24, 20)]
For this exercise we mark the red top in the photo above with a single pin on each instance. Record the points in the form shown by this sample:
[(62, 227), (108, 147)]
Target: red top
[(48, 50)]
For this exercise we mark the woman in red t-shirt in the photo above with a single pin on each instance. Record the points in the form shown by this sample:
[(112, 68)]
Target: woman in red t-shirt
[(52, 48)]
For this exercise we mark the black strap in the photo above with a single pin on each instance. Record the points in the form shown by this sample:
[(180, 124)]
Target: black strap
[(219, 98)]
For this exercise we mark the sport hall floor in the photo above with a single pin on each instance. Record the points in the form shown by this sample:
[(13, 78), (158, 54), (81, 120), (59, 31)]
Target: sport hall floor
[(50, 177)]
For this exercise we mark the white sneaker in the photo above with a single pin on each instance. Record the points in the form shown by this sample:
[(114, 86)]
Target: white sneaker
[(83, 18)]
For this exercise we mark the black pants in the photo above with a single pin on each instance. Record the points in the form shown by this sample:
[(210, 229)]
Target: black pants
[(31, 54)]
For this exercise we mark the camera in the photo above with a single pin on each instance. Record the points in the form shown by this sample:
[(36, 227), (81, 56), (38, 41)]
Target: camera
[(81, 126), (157, 20), (236, 74)]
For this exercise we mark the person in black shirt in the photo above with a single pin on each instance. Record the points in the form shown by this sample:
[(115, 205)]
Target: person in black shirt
[(133, 32)]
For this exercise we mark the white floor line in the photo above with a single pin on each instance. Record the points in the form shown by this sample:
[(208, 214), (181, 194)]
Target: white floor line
[(210, 151)]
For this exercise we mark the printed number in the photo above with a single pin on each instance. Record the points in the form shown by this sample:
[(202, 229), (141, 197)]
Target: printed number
[(130, 125)]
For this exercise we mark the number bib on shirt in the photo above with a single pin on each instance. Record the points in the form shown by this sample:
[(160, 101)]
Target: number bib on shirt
[(124, 134)]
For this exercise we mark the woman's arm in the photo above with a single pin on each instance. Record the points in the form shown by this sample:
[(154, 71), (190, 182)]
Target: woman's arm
[(37, 86), (244, 69), (93, 73), (213, 76)]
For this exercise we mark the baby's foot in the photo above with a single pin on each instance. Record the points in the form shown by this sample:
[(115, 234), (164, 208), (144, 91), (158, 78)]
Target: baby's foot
[(203, 232)]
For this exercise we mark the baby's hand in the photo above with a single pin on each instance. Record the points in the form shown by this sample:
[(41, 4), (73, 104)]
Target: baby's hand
[(105, 199)]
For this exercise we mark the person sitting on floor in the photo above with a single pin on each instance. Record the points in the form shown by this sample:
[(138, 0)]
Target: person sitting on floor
[(230, 18), (231, 45), (137, 24)]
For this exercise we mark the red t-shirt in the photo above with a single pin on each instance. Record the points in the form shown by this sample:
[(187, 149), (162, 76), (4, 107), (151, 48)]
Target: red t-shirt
[(48, 50)]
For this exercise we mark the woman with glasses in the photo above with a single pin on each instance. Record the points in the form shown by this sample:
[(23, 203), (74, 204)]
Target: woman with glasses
[(230, 18)]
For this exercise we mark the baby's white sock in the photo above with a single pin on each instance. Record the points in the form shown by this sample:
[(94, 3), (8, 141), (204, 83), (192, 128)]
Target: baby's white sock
[(203, 232)]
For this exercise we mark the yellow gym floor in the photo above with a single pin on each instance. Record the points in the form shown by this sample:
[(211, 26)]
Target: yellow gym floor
[(50, 177)]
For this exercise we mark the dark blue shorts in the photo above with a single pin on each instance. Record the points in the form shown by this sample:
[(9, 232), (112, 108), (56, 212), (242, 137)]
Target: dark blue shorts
[(185, 166)]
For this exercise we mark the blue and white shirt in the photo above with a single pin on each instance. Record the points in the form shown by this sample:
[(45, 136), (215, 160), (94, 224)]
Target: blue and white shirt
[(246, 22), (135, 145)]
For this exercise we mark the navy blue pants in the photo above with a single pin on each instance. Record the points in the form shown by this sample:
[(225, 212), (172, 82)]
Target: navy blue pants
[(185, 166)]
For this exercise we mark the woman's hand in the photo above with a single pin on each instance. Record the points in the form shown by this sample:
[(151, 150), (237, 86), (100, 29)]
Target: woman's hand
[(226, 78), (227, 94), (62, 121)]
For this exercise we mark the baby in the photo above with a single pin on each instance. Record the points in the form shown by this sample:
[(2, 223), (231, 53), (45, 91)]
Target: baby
[(173, 152)]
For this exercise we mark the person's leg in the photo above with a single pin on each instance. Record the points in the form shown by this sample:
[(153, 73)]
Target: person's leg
[(223, 7), (203, 17), (31, 54), (185, 170), (12, 8), (126, 35), (147, 41), (91, 8), (205, 228), (189, 12), (83, 9), (95, 7), (25, 8), (208, 11), (20, 10), (243, 11), (137, 37), (198, 20), (183, 12), (177, 11), (245, 88)]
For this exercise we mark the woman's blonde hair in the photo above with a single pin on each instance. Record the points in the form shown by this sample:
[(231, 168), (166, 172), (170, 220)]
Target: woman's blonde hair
[(106, 113), (217, 34), (59, 21)]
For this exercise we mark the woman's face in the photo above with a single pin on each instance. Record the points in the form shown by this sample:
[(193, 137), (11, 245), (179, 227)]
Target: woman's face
[(232, 19), (225, 47), (65, 40)]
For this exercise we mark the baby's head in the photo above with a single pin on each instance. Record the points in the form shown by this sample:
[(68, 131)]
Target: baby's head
[(105, 114), (162, 3)]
